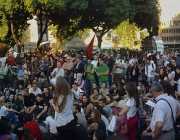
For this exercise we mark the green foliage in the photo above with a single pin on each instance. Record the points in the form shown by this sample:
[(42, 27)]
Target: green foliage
[(127, 34), (145, 13)]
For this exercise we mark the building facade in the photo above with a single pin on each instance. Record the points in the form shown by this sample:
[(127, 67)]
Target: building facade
[(170, 24)]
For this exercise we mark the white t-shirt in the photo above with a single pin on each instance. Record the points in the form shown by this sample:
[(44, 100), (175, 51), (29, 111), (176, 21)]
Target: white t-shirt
[(37, 91), (119, 62), (132, 110), (52, 123), (105, 120), (3, 111), (58, 72), (66, 115), (76, 93), (169, 75), (94, 62)]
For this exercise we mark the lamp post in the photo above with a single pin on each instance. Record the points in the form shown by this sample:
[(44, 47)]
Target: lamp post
[(174, 46)]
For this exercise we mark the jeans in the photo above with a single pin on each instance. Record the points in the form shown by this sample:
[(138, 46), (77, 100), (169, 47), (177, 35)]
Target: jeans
[(110, 80), (12, 118), (150, 80), (69, 80), (101, 82), (89, 84)]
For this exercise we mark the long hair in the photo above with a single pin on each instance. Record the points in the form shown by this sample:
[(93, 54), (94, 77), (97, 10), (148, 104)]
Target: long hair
[(164, 74), (111, 98), (97, 115), (51, 112), (87, 103), (101, 110), (133, 92), (62, 89)]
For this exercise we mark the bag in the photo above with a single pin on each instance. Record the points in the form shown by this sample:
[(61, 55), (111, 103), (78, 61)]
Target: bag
[(68, 72), (122, 125), (177, 134), (113, 126), (116, 110)]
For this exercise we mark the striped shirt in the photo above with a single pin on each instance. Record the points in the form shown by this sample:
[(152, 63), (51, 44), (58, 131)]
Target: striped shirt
[(162, 112)]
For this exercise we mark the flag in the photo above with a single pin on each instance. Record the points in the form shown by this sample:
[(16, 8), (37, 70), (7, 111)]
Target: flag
[(90, 47)]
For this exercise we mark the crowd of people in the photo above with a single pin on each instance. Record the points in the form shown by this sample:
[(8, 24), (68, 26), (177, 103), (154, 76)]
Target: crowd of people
[(109, 96)]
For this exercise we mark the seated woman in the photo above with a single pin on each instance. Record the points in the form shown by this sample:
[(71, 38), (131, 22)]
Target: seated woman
[(50, 121), (95, 97), (104, 90), (104, 116), (87, 106), (110, 101), (163, 74), (97, 123), (80, 82), (94, 86)]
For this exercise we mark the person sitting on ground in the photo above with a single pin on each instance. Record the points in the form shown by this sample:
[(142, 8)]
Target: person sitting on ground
[(76, 90), (41, 106), (32, 126), (19, 129), (17, 106), (50, 121), (29, 101), (110, 101), (99, 135), (106, 108), (77, 131), (95, 97), (81, 117), (80, 82), (97, 123)]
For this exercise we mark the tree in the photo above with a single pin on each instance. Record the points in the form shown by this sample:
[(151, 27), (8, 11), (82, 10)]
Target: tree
[(13, 19), (103, 15), (126, 34), (145, 14)]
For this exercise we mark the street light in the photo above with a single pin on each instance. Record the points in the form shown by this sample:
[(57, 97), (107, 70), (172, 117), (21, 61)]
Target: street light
[(174, 46)]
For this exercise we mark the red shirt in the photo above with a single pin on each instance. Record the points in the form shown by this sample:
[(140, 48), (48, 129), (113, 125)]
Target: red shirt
[(35, 130)]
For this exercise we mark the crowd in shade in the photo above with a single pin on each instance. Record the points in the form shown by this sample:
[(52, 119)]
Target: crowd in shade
[(111, 95)]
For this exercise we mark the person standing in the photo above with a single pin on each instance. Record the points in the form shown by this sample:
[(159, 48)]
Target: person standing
[(68, 66), (130, 109), (62, 104), (109, 61), (103, 72), (89, 72), (162, 122), (118, 71)]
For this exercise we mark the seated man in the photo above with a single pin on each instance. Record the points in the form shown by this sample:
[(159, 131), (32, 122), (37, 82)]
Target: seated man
[(43, 83), (35, 90), (8, 114), (81, 117), (17, 106), (41, 106), (76, 90), (29, 101), (47, 95)]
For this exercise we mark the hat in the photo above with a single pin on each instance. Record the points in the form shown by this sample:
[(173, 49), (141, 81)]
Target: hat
[(156, 86)]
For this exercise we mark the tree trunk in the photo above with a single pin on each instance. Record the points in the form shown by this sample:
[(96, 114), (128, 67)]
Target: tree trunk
[(99, 42), (3, 49), (57, 44)]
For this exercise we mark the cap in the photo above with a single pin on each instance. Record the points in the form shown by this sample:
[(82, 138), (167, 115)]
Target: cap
[(156, 86)]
